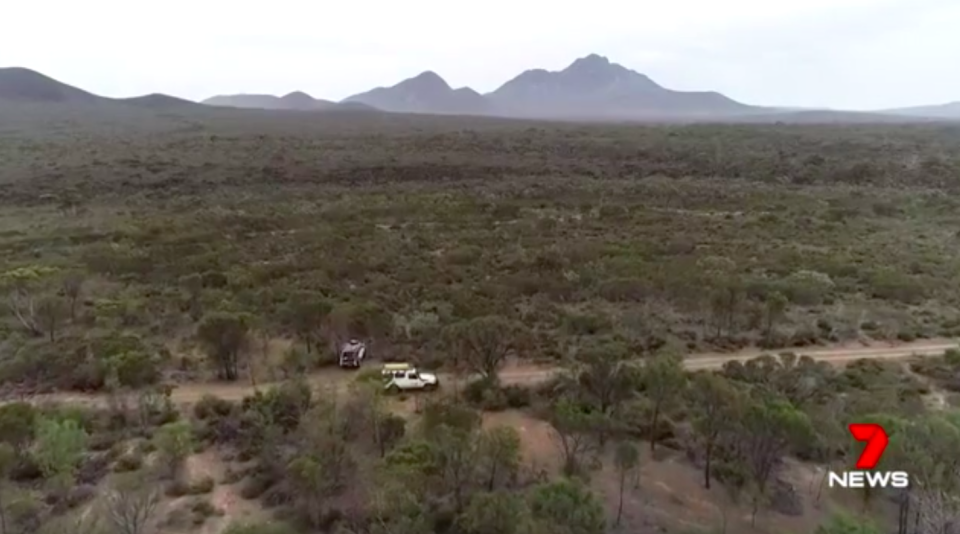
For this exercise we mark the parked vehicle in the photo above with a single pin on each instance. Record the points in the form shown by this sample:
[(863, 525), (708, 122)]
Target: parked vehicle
[(352, 354), (405, 377)]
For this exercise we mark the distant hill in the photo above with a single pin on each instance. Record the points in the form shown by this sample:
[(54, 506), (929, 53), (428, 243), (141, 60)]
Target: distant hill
[(590, 88), (24, 85), (20, 86), (950, 111), (820, 116), (593, 87), (244, 101), (158, 101), (298, 101), (425, 93)]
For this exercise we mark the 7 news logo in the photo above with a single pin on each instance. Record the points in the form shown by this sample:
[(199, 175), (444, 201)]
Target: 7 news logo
[(876, 439)]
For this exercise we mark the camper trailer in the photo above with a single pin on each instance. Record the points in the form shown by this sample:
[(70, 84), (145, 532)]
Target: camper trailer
[(352, 354)]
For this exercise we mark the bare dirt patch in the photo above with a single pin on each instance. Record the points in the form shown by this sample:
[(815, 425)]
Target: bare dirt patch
[(671, 494), (225, 498)]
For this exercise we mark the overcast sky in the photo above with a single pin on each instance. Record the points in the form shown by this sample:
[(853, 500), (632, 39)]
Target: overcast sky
[(852, 54)]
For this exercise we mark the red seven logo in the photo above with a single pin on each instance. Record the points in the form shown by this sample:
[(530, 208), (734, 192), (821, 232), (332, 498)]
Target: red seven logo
[(877, 440)]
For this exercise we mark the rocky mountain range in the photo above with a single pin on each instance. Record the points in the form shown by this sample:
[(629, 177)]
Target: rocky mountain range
[(590, 88), (593, 87), (425, 93)]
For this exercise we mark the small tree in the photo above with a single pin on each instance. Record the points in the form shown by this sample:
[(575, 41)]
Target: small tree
[(193, 285), (574, 430), (323, 463), (713, 404), (18, 425), (51, 312), (606, 380), (384, 428), (455, 456), (131, 503), (361, 319), (627, 460), (725, 302), (663, 381), (22, 285), (770, 426), (568, 507), (73, 289), (306, 313), (59, 449), (776, 306), (496, 512), (175, 443), (7, 458), (483, 344), (499, 450), (225, 335)]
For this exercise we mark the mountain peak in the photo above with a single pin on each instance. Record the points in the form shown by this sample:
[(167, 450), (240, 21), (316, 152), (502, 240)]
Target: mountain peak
[(18, 83), (592, 60), (297, 95), (428, 78), (594, 86), (158, 101), (594, 65), (426, 92)]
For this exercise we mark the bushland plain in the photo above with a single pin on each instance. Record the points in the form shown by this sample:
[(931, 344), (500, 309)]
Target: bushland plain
[(150, 257)]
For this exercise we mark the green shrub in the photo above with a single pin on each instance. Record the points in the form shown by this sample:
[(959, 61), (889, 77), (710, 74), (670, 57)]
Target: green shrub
[(256, 486), (128, 462), (176, 488), (136, 369), (518, 396), (272, 527), (203, 486), (475, 391), (212, 407), (494, 400), (203, 509)]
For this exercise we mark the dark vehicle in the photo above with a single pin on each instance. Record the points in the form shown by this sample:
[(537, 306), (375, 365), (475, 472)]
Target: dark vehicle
[(352, 354)]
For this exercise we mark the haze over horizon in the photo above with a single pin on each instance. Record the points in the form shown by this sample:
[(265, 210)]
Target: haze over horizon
[(843, 54)]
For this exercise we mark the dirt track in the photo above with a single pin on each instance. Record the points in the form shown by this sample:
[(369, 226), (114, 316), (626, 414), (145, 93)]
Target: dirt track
[(531, 374), (837, 356)]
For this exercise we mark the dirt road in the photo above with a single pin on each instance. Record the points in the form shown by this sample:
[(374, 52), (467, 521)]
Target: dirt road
[(838, 356), (532, 374)]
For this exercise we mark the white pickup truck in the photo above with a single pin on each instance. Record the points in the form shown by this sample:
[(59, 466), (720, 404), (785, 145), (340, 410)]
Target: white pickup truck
[(404, 377)]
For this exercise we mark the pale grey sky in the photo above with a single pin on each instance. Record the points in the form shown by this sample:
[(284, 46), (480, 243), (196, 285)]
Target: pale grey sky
[(851, 54)]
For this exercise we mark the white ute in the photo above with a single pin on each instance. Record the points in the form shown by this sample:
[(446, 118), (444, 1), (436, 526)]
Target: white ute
[(404, 377)]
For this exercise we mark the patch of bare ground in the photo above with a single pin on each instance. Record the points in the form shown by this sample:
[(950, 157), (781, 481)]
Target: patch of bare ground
[(671, 497), (538, 447), (224, 500)]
